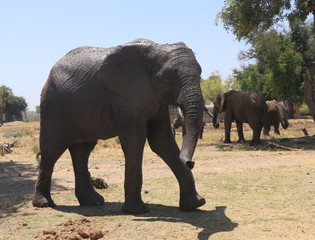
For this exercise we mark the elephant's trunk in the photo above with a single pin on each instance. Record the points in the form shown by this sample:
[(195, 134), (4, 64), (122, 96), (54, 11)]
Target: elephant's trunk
[(192, 105), (284, 123), (215, 117)]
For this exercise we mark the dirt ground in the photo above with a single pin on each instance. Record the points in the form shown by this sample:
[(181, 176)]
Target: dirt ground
[(265, 192)]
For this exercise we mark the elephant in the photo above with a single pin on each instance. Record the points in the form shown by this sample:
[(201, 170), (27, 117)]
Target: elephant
[(243, 107), (179, 122), (276, 113), (98, 93)]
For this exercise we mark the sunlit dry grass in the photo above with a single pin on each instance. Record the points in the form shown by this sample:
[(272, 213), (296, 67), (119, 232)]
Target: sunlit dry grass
[(250, 193)]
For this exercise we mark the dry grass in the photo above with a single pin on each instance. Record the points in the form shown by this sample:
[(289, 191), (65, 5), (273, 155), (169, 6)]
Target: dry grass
[(251, 193)]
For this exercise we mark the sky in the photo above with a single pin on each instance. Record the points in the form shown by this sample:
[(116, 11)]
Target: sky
[(35, 34)]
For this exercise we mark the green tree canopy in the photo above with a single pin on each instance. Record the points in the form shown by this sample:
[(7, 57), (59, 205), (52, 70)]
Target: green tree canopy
[(277, 73), (250, 79), (303, 39), (37, 109), (11, 107), (211, 87), (247, 19)]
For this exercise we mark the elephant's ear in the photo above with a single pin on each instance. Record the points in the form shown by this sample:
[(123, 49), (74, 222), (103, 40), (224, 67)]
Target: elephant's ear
[(221, 102), (126, 74)]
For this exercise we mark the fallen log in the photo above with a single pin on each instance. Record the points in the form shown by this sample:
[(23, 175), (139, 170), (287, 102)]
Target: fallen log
[(271, 144), (304, 131), (5, 148)]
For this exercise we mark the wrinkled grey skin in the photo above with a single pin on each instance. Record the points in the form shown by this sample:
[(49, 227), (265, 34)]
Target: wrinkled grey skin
[(276, 113), (243, 107), (179, 122), (99, 93)]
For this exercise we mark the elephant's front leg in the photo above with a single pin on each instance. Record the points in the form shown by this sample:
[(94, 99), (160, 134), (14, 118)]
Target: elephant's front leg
[(84, 191), (132, 137), (266, 129), (276, 127), (227, 127), (239, 126), (163, 144)]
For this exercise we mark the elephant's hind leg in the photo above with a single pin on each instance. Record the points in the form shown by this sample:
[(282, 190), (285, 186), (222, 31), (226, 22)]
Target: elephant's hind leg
[(42, 197), (84, 191), (256, 136)]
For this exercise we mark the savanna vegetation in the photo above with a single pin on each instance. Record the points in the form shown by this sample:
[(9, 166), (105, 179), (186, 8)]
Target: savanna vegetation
[(282, 39), (262, 193)]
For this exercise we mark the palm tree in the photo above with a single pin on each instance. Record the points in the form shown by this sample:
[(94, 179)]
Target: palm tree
[(5, 94)]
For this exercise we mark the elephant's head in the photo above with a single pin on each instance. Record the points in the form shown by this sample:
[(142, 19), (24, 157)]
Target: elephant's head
[(283, 113), (218, 107), (159, 74)]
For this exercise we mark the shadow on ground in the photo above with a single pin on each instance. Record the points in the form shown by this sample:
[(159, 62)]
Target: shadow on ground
[(290, 144), (208, 222), (16, 186)]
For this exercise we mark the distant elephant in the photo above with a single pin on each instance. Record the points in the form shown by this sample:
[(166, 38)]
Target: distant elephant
[(99, 93), (276, 113), (243, 107), (179, 122)]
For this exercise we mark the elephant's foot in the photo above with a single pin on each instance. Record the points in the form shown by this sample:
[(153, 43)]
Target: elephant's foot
[(227, 141), (190, 203), (90, 198), (242, 140), (40, 201), (135, 207)]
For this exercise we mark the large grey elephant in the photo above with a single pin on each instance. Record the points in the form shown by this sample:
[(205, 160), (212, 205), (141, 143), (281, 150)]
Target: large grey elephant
[(276, 113), (243, 107), (98, 93)]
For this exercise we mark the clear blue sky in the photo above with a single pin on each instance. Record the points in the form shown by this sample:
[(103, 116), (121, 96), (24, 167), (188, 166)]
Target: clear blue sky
[(35, 34)]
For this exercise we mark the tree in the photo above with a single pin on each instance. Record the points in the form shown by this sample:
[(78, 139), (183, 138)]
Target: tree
[(304, 40), (247, 18), (15, 109), (277, 56), (211, 87), (5, 94), (37, 109), (11, 107), (250, 79), (278, 71), (232, 84)]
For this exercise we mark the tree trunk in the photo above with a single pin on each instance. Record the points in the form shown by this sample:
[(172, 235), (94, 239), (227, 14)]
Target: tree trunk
[(309, 85), (290, 108)]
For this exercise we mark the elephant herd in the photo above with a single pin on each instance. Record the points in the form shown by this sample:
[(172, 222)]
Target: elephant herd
[(97, 93), (243, 107)]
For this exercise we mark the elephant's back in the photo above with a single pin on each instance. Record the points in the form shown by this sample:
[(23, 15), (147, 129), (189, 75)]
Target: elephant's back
[(75, 93), (76, 68), (271, 106)]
